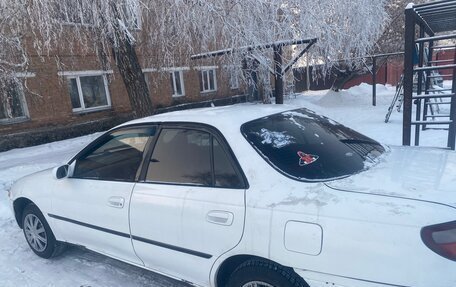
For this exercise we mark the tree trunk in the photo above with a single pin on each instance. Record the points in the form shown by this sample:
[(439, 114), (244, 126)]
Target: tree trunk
[(133, 78), (278, 74), (127, 62)]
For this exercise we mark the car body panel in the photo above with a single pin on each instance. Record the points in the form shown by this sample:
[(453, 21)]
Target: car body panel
[(36, 187), (86, 213), (371, 231), (425, 174), (191, 221)]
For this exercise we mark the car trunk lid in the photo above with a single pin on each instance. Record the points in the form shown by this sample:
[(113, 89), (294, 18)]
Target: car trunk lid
[(425, 174)]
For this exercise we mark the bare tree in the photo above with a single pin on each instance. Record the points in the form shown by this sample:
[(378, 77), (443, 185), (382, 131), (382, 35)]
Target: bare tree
[(167, 32), (392, 38), (344, 29), (106, 28)]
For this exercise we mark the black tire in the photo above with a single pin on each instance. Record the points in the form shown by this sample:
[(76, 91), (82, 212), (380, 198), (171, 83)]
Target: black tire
[(266, 273), (38, 234)]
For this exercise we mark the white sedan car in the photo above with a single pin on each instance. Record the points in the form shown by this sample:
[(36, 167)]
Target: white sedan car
[(251, 196)]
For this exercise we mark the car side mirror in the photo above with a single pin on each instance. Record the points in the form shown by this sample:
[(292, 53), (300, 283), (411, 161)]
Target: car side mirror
[(61, 171)]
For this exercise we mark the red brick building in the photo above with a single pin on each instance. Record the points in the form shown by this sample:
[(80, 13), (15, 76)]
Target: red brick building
[(75, 95)]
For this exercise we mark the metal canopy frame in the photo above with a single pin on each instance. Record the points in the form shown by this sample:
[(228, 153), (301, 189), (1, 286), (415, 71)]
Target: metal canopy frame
[(279, 68), (440, 16), (375, 69), (427, 19)]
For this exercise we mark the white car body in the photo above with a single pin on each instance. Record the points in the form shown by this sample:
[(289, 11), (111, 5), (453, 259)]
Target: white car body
[(358, 231)]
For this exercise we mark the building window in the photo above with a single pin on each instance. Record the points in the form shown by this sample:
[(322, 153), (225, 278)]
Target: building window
[(267, 77), (73, 12), (81, 12), (177, 83), (234, 79), (132, 12), (13, 107), (208, 81), (89, 92)]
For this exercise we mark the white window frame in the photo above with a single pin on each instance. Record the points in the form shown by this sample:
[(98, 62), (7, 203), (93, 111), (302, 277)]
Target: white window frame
[(203, 79), (137, 15), (173, 72), (82, 23), (77, 75), (267, 78), (233, 78), (67, 21), (149, 70), (22, 100), (146, 72)]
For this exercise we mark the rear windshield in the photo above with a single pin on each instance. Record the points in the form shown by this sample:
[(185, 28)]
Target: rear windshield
[(308, 147)]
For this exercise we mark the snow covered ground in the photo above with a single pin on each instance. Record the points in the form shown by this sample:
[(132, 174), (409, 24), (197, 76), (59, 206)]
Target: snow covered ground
[(80, 268), (354, 109)]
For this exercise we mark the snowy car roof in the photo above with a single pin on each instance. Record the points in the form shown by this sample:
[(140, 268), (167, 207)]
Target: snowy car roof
[(226, 117)]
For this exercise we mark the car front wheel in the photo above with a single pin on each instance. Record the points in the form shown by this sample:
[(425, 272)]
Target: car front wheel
[(259, 273), (38, 234)]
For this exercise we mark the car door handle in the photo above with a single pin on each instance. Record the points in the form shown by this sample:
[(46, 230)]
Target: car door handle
[(116, 201), (220, 217)]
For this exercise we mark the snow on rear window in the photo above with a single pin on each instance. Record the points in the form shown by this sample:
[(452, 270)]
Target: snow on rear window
[(309, 147), (275, 139)]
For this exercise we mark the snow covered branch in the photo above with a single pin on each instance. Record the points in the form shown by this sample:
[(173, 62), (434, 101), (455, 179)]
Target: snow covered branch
[(167, 32)]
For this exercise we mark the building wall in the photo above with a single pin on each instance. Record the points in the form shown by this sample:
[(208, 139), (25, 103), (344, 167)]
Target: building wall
[(161, 89), (448, 56), (50, 112)]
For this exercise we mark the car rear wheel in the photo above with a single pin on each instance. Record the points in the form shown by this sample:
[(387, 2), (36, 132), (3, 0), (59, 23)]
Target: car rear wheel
[(260, 273), (257, 284), (38, 234)]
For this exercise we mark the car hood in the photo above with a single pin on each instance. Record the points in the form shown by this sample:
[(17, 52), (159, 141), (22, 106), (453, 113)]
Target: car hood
[(425, 174)]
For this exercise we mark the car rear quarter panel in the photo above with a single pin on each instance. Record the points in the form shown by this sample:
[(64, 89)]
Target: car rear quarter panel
[(366, 240)]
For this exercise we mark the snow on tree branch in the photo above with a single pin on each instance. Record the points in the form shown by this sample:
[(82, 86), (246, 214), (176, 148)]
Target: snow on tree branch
[(167, 32)]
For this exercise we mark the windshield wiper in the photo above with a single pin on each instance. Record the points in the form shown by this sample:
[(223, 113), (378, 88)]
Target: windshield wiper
[(359, 141)]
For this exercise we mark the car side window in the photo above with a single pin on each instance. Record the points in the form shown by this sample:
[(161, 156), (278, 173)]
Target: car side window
[(194, 157), (181, 156), (117, 157), (225, 174)]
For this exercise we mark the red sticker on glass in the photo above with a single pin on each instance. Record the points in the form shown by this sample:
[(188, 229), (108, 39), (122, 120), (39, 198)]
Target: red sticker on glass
[(306, 159)]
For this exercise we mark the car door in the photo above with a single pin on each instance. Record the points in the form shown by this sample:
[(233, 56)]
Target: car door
[(190, 207), (90, 206)]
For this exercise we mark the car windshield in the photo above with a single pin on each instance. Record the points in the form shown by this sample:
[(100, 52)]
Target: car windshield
[(309, 147)]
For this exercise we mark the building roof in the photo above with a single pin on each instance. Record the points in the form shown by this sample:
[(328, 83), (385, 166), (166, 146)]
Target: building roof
[(439, 16)]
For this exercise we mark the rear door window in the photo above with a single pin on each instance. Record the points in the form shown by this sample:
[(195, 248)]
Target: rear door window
[(192, 157), (181, 156), (308, 147)]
